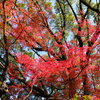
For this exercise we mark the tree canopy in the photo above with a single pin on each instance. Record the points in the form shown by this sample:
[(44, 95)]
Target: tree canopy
[(50, 49)]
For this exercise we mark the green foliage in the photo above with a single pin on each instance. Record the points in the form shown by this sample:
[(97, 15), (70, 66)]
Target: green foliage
[(21, 5), (85, 97), (29, 53), (76, 97)]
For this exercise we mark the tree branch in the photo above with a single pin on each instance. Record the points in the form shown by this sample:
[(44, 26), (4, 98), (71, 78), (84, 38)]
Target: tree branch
[(93, 9)]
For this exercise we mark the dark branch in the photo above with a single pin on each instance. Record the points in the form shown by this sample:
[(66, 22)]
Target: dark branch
[(93, 9)]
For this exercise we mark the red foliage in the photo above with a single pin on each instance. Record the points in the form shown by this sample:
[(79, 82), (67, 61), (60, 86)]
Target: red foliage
[(68, 68)]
